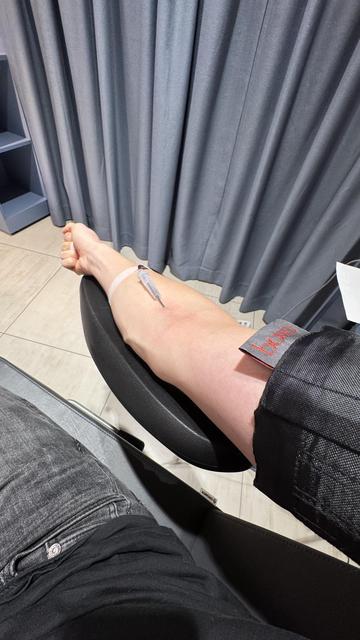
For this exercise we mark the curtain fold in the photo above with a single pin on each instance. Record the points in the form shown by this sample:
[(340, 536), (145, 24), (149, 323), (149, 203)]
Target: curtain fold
[(221, 138)]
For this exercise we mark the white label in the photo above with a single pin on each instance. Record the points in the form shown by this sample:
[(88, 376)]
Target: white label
[(349, 284)]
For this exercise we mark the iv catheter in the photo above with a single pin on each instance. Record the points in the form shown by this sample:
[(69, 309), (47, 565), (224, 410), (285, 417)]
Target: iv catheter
[(147, 282)]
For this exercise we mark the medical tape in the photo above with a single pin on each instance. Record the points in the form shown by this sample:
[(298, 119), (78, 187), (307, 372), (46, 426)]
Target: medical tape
[(118, 280)]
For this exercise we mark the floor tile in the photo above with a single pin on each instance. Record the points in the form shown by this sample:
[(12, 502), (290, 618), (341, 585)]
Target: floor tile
[(235, 476), (354, 564), (325, 547), (226, 492), (116, 414), (22, 275), (258, 319), (53, 318), (71, 375), (255, 507), (42, 236), (248, 476), (184, 472), (260, 510)]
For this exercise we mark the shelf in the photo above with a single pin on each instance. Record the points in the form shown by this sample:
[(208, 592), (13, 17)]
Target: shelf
[(10, 191), (21, 211), (9, 140), (22, 199), (10, 118)]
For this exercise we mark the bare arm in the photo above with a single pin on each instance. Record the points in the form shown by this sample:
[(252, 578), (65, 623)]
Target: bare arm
[(191, 343)]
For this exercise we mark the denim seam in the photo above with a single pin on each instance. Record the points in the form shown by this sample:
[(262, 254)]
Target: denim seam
[(113, 513), (69, 510), (70, 540), (65, 543)]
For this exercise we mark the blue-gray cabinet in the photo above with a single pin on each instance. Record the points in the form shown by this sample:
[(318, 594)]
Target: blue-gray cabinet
[(22, 198)]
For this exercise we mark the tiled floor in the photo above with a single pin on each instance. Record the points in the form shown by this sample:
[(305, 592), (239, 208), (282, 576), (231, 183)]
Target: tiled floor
[(40, 332)]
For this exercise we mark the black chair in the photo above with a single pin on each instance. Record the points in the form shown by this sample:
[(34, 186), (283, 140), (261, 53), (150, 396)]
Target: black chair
[(284, 582), (280, 581), (163, 410)]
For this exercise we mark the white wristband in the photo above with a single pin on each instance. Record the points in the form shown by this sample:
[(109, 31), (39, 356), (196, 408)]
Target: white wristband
[(118, 279)]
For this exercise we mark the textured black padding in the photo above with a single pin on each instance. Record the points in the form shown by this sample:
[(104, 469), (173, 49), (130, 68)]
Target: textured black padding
[(163, 410)]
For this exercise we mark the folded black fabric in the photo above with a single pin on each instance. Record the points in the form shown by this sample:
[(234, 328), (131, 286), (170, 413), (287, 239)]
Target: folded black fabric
[(307, 436)]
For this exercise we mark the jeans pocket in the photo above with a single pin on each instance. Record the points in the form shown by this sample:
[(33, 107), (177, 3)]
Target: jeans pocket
[(64, 538)]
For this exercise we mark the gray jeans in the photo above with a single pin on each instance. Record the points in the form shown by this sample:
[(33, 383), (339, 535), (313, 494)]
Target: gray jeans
[(53, 491)]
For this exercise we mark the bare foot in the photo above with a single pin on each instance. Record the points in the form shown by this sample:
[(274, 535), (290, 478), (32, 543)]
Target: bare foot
[(78, 242)]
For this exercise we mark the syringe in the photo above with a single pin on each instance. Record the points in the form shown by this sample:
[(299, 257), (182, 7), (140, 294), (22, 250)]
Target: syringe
[(149, 285)]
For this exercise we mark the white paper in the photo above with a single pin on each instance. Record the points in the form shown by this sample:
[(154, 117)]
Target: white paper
[(349, 284)]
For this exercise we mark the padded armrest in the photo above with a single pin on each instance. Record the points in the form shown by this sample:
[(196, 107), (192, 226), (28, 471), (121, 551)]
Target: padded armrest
[(160, 408)]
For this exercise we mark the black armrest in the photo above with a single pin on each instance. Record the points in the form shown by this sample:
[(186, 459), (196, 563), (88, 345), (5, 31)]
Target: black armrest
[(160, 408)]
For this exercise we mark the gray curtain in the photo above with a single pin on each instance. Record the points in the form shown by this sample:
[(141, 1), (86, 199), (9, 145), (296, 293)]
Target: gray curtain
[(221, 137)]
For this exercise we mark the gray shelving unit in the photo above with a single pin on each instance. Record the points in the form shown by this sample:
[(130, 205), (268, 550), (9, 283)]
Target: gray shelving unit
[(22, 198)]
